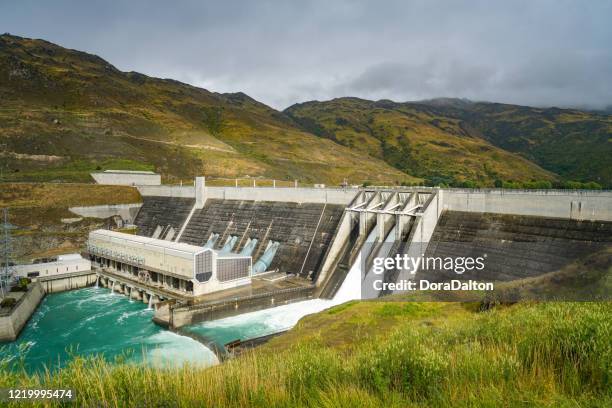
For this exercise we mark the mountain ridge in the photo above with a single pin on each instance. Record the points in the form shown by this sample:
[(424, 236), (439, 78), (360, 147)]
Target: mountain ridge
[(81, 109), (64, 113), (546, 137)]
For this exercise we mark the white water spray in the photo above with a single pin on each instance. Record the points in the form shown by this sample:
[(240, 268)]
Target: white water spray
[(281, 318), (150, 302)]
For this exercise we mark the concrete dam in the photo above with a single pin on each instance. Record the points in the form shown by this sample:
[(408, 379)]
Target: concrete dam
[(302, 243)]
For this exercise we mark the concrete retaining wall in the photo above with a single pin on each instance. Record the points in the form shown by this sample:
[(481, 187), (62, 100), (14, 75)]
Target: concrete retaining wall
[(167, 191), (182, 316), (295, 195), (12, 323), (127, 211), (61, 283), (287, 194), (577, 205)]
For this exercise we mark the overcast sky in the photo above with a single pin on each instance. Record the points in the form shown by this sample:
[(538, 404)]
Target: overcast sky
[(543, 53)]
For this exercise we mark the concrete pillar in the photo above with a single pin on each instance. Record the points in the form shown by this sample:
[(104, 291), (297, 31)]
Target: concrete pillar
[(200, 192), (400, 222), (135, 294), (380, 226), (363, 223)]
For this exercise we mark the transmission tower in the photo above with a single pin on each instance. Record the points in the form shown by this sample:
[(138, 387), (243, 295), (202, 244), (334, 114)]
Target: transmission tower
[(7, 271)]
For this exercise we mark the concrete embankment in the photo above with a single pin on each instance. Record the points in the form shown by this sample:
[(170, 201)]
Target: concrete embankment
[(172, 315), (68, 281), (126, 211), (12, 321)]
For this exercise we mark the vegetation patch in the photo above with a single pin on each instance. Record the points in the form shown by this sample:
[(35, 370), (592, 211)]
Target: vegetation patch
[(553, 354)]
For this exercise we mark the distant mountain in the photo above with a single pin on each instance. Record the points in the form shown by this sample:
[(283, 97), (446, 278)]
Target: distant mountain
[(64, 113), (456, 139)]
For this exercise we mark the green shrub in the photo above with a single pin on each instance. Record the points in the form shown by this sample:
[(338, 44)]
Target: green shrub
[(8, 302)]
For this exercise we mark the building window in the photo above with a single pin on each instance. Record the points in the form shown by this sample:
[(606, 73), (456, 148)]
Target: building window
[(203, 266), (232, 269), (203, 277), (33, 274)]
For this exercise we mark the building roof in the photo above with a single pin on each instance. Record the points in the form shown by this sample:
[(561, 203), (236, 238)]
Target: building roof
[(69, 257), (137, 239), (130, 172)]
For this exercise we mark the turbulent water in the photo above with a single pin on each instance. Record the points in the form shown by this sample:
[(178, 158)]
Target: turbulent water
[(277, 319), (95, 321)]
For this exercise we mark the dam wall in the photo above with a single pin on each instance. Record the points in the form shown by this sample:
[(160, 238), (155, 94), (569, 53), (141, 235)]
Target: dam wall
[(162, 211), (514, 246), (570, 204), (283, 194), (322, 230), (304, 230)]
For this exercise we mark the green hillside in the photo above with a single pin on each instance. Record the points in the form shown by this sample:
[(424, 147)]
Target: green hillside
[(448, 140), (64, 113), (574, 144)]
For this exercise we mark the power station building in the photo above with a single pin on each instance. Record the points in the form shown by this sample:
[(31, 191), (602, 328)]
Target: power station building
[(187, 269)]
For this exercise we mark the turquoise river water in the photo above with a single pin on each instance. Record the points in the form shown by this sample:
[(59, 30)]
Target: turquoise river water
[(94, 321)]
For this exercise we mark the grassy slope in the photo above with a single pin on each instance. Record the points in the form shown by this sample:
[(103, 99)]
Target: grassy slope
[(574, 144), (37, 210), (416, 141), (388, 354), (391, 352), (64, 113), (462, 140)]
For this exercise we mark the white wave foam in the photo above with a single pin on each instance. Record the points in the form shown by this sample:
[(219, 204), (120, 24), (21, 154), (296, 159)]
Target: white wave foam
[(173, 350), (280, 318)]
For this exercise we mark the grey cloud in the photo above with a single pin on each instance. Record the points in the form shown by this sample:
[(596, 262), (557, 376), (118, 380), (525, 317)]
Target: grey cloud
[(281, 52)]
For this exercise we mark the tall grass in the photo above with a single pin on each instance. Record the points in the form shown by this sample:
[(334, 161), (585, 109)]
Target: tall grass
[(554, 354)]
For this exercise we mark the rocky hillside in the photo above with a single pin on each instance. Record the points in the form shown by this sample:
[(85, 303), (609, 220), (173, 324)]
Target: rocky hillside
[(450, 140), (64, 113)]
